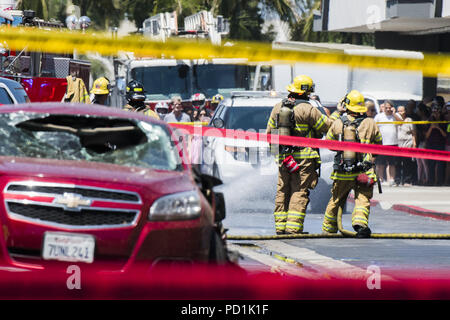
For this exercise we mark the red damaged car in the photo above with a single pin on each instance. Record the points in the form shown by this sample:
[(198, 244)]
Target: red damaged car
[(87, 184)]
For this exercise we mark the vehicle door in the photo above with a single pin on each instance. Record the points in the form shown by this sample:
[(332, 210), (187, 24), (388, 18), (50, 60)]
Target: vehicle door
[(6, 96), (210, 143)]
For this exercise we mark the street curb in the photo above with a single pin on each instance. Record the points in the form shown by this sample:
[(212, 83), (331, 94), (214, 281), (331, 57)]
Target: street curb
[(421, 212)]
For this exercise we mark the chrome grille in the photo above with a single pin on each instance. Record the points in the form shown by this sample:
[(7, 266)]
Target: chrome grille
[(79, 218), (90, 193), (84, 216)]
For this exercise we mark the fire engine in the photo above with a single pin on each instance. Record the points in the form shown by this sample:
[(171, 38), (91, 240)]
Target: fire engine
[(43, 75), (164, 78)]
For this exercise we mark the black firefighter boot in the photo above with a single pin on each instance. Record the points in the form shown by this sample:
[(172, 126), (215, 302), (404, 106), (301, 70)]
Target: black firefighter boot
[(362, 232)]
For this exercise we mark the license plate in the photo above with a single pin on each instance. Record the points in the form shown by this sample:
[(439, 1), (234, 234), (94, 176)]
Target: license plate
[(68, 247)]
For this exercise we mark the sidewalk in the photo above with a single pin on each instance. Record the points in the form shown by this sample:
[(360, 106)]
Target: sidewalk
[(425, 201), (431, 202)]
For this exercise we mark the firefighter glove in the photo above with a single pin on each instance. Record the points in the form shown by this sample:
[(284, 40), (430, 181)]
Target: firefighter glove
[(291, 164), (365, 180)]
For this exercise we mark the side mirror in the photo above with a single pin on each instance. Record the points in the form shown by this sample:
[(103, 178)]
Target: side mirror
[(218, 123), (205, 181)]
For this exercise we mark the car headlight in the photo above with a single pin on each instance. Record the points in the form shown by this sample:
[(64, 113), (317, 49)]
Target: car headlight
[(178, 206), (234, 149)]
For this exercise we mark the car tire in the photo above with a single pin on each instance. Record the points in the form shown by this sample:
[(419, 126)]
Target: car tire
[(217, 250)]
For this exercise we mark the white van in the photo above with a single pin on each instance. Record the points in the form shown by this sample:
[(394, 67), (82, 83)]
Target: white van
[(332, 82)]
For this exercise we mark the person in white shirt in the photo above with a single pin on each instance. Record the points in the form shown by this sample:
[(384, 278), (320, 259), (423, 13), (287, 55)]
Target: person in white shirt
[(177, 115), (388, 164), (406, 139)]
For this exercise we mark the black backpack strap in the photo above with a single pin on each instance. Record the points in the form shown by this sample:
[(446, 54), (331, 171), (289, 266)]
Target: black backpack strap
[(298, 101), (286, 102), (345, 120)]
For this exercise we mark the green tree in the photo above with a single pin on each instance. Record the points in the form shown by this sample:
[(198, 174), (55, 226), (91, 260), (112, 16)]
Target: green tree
[(244, 17), (105, 13), (286, 9), (138, 10), (40, 7), (302, 30)]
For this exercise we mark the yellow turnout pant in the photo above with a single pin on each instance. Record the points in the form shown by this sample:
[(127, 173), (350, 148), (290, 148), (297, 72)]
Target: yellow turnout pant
[(292, 196), (339, 194)]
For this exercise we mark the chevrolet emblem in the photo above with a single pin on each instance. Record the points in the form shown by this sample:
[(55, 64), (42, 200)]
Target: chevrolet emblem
[(72, 201)]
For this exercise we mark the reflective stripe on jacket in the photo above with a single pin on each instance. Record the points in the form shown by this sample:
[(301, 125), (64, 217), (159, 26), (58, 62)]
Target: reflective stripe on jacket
[(76, 91), (368, 132), (309, 122)]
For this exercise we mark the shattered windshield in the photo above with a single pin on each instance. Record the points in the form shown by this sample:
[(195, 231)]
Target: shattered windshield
[(117, 141)]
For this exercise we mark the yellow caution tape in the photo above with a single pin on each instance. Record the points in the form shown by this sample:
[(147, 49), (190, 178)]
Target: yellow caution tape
[(63, 41), (279, 257)]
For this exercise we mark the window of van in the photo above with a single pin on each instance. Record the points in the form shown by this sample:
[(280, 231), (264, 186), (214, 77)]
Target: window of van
[(5, 98)]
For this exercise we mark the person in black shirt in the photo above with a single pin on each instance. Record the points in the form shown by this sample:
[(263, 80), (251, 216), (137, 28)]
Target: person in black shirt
[(436, 139)]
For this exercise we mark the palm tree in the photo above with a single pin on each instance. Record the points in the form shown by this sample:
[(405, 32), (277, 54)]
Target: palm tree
[(309, 6), (286, 9), (40, 7), (303, 29), (245, 16)]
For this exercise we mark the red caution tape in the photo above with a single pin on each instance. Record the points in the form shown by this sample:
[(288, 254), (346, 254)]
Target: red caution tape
[(315, 143), (206, 282)]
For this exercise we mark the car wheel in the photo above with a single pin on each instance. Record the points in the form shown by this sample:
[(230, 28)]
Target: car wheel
[(217, 250)]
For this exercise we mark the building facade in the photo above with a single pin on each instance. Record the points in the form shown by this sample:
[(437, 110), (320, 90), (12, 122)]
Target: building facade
[(419, 25)]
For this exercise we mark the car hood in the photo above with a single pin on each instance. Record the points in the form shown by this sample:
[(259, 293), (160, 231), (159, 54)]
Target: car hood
[(167, 181)]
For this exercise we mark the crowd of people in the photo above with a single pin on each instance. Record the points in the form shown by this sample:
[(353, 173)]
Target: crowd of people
[(435, 134), (195, 110)]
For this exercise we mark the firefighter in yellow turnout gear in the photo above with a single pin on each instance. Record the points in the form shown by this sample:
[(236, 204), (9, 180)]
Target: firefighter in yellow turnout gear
[(136, 96), (352, 170), (297, 173)]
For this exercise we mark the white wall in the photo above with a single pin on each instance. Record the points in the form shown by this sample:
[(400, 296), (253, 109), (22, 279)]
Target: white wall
[(351, 13), (334, 81), (380, 80), (330, 80), (445, 8), (281, 77), (8, 4)]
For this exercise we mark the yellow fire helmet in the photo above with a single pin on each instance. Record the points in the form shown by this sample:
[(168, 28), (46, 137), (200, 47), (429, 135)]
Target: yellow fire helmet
[(101, 86), (302, 84), (217, 98), (354, 101)]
